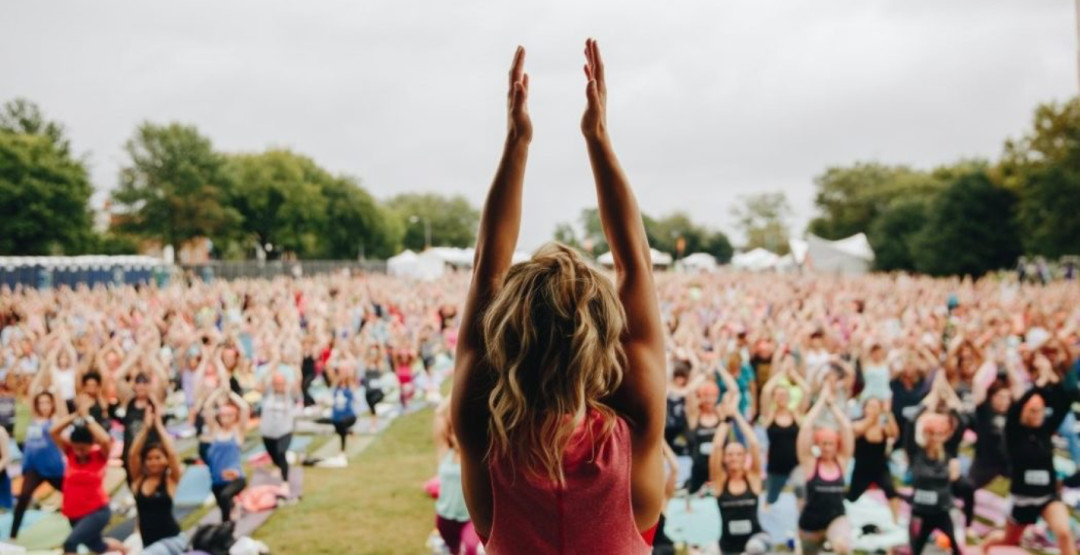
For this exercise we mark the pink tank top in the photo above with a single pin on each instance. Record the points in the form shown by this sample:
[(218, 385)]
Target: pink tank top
[(591, 514)]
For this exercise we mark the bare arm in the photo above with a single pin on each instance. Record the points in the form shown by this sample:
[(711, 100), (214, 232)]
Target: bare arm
[(641, 395), (495, 244)]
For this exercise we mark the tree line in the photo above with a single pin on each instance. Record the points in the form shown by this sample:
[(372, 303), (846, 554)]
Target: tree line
[(967, 218), (175, 187)]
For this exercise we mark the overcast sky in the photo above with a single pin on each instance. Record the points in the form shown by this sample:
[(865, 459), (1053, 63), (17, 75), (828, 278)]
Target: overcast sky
[(708, 100)]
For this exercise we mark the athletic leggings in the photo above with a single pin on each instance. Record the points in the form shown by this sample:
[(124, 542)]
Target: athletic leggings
[(964, 490), (460, 537), (276, 448), (341, 427), (861, 479), (87, 530), (920, 528), (30, 483), (224, 493)]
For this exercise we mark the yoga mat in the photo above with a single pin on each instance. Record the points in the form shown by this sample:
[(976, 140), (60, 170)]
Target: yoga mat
[(48, 532), (782, 518), (31, 517), (194, 487), (872, 508), (698, 525)]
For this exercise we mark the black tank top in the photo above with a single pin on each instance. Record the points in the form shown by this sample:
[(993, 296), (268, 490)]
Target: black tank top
[(931, 491), (739, 515), (824, 500), (703, 438), (156, 520), (676, 413), (869, 455), (782, 455)]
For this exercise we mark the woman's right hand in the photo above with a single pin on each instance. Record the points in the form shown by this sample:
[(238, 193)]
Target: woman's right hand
[(594, 122), (518, 122)]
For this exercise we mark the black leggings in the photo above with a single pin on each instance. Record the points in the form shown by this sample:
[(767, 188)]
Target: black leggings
[(224, 493), (964, 490), (276, 448), (920, 528), (862, 477), (341, 427), (31, 481)]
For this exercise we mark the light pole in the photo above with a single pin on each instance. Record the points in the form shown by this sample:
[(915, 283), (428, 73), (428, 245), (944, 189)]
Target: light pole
[(427, 229)]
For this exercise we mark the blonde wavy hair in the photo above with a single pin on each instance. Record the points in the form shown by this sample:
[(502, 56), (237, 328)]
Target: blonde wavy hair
[(552, 343)]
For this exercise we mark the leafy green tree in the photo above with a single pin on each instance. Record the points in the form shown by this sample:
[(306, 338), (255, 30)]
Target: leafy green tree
[(24, 117), (44, 197), (175, 186), (763, 220), (850, 198), (1043, 167), (970, 229), (279, 194), (356, 225), (452, 220), (892, 234), (718, 245), (44, 190)]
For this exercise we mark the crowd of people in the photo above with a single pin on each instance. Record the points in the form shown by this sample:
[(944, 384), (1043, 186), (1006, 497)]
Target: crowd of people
[(835, 374), (822, 386), (120, 372)]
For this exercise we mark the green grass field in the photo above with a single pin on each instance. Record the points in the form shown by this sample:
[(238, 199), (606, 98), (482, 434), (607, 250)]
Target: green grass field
[(374, 506)]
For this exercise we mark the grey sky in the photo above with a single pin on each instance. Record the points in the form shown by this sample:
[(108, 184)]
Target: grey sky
[(707, 100)]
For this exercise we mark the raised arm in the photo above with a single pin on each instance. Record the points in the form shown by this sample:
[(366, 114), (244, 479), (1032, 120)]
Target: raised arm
[(641, 395), (500, 224), (751, 444), (57, 431), (805, 440), (847, 435)]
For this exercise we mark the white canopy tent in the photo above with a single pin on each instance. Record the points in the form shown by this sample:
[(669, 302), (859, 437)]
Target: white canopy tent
[(660, 259), (852, 255), (699, 261), (408, 264), (756, 260)]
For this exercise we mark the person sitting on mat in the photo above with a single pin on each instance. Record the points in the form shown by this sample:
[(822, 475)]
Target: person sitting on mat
[(156, 467), (559, 399), (823, 518), (737, 486), (86, 504), (932, 472), (1034, 484), (227, 421)]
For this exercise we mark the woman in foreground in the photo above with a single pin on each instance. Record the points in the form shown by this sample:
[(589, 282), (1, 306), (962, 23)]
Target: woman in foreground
[(558, 399)]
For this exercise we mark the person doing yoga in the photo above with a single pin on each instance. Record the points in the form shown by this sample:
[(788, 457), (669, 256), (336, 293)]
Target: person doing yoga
[(823, 518), (1033, 482), (737, 486), (932, 473), (559, 397)]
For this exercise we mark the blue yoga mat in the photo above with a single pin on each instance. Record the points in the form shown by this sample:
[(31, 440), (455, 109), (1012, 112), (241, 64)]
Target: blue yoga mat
[(29, 519), (194, 486)]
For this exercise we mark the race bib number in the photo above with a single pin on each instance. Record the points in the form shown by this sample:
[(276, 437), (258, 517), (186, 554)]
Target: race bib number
[(909, 412), (1037, 478), (705, 448), (924, 497), (33, 432), (340, 402), (740, 527)]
